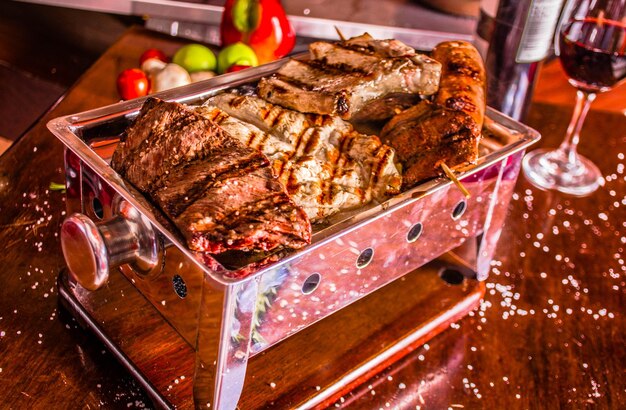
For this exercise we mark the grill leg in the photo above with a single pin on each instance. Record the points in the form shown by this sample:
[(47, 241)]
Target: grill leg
[(223, 343), (498, 208)]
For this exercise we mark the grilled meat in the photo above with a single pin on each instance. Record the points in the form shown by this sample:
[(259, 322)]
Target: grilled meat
[(360, 51), (247, 212), (220, 194), (154, 143), (448, 130), (426, 135), (341, 78), (325, 165), (380, 109), (187, 183)]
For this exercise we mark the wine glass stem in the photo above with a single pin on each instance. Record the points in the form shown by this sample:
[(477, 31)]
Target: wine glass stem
[(570, 143)]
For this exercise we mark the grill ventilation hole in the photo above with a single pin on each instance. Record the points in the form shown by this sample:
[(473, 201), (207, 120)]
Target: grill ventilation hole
[(311, 283), (451, 276), (365, 258), (415, 232), (180, 288), (96, 206), (459, 209)]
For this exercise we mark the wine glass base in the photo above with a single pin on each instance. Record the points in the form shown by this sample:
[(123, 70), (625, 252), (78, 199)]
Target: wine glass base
[(550, 169)]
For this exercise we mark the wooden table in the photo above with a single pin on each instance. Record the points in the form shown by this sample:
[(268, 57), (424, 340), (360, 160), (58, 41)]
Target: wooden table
[(549, 334)]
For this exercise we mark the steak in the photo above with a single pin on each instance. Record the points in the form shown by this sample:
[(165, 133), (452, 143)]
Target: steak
[(219, 193), (342, 78), (187, 183), (247, 212), (163, 136), (325, 165)]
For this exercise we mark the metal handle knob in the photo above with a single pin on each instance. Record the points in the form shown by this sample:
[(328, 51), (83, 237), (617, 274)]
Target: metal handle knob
[(91, 250)]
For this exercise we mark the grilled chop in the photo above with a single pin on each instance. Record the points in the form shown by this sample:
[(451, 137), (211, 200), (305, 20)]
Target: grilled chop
[(323, 162), (345, 77), (221, 194)]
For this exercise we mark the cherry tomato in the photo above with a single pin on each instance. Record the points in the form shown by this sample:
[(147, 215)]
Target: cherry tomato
[(153, 53), (237, 67), (132, 83)]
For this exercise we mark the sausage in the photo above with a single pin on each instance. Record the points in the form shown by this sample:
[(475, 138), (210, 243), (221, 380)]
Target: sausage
[(463, 79)]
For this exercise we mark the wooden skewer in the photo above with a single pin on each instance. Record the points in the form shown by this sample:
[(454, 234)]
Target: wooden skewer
[(340, 34), (454, 179)]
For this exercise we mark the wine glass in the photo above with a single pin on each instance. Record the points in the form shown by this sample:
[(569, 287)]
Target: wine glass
[(591, 43)]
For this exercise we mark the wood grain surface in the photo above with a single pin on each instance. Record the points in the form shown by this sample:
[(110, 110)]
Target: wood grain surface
[(549, 334)]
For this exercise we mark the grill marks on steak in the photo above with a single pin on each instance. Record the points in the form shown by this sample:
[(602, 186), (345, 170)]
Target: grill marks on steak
[(248, 212), (185, 184), (221, 194), (344, 77), (323, 162), (163, 136)]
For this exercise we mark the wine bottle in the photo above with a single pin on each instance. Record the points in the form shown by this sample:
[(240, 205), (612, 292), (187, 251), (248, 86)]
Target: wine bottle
[(514, 37)]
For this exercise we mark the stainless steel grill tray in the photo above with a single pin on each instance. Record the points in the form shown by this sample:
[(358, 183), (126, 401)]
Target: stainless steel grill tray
[(214, 304)]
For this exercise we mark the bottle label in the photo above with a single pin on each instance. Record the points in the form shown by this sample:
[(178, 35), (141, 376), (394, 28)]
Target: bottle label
[(538, 30)]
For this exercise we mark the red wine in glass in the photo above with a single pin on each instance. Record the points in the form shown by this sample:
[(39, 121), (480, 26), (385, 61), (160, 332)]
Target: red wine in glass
[(591, 45), (592, 55)]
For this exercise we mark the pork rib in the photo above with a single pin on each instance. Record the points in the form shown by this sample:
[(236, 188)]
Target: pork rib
[(342, 78)]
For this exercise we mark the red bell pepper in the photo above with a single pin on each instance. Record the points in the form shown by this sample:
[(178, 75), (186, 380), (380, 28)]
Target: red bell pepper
[(261, 24)]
